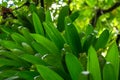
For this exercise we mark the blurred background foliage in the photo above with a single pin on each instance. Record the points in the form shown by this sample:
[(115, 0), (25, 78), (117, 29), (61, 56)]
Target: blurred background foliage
[(87, 10)]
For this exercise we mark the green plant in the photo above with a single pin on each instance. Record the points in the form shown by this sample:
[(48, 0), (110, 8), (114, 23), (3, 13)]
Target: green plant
[(50, 55), (37, 48)]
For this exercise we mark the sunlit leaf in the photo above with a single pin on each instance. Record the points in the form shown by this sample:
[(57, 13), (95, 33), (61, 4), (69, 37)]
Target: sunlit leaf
[(26, 34), (48, 17), (43, 70), (47, 44), (113, 57), (74, 66), (93, 64), (54, 35), (37, 24), (108, 72), (91, 3)]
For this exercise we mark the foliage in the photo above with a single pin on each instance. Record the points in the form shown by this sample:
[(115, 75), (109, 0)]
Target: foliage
[(34, 46)]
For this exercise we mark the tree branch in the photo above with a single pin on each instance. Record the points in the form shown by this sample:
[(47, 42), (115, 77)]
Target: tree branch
[(99, 12), (42, 3), (69, 1)]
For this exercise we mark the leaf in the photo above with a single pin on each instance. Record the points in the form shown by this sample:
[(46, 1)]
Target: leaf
[(26, 34), (48, 16), (37, 24), (89, 29), (27, 48), (88, 42), (4, 3), (47, 73), (32, 8), (91, 3), (27, 75), (54, 60), (108, 72), (7, 73), (54, 35), (14, 57), (3, 36), (47, 44), (102, 40), (74, 66), (7, 30), (10, 45), (41, 14), (72, 38), (39, 48), (74, 16), (18, 38), (12, 78), (32, 59), (25, 20), (113, 57), (61, 18), (8, 62), (9, 55), (93, 64)]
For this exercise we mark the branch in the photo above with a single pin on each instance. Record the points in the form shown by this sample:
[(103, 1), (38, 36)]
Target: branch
[(69, 1), (42, 3), (100, 12)]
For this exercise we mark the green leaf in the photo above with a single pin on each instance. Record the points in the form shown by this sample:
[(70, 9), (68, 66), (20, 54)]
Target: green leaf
[(74, 66), (32, 8), (27, 75), (93, 64), (74, 16), (4, 3), (7, 30), (54, 35), (39, 48), (3, 36), (47, 73), (47, 44), (9, 55), (10, 45), (41, 14), (102, 40), (18, 38), (25, 20), (32, 59), (26, 34), (72, 38), (48, 16), (14, 57), (89, 29), (108, 72), (37, 24), (113, 57), (91, 3), (61, 18), (8, 62), (88, 42), (7, 73), (54, 60), (27, 48)]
